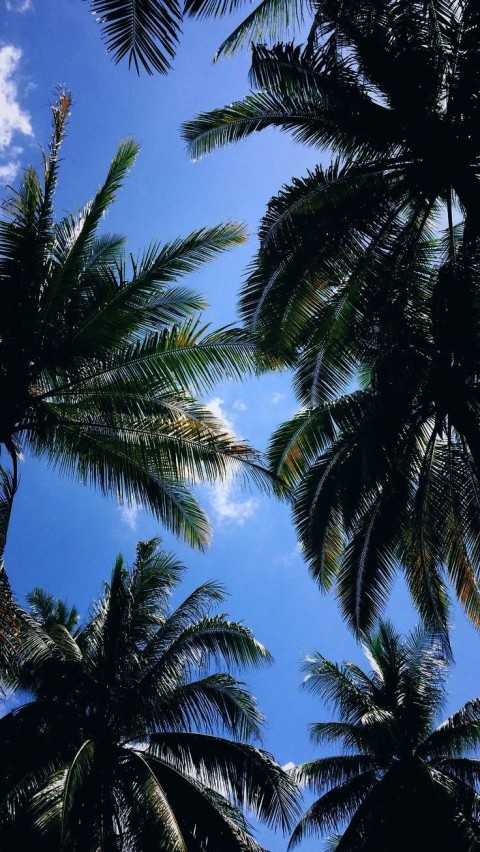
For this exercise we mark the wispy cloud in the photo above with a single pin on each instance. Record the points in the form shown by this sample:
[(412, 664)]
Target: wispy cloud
[(13, 119), (227, 508), (19, 5), (129, 515), (277, 397), (291, 557), (225, 503), (9, 171), (238, 405), (215, 405)]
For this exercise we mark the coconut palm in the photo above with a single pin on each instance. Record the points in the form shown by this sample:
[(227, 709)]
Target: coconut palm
[(387, 474), (400, 782), (121, 741), (390, 88), (146, 32), (98, 362), (349, 286)]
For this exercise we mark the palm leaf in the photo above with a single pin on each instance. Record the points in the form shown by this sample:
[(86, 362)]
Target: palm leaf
[(143, 31), (240, 771)]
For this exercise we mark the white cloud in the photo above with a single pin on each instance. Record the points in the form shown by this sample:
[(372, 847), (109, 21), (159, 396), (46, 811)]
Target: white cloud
[(224, 502), (12, 118), (9, 171), (129, 514), (19, 5), (287, 767), (277, 397), (227, 508), (239, 405), (215, 406)]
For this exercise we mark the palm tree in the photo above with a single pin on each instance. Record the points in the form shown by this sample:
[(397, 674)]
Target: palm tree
[(146, 32), (350, 286), (400, 782), (387, 474), (98, 363), (348, 91), (120, 745)]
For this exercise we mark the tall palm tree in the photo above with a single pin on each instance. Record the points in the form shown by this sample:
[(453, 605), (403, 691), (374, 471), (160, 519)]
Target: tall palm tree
[(98, 362), (400, 782), (121, 742), (351, 288)]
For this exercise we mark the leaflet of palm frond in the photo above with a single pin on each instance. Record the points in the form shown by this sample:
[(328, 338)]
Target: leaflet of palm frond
[(10, 624), (7, 493), (9, 612), (146, 32)]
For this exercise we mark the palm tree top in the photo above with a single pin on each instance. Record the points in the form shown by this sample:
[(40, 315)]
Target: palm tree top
[(139, 707), (100, 360), (396, 760), (391, 84)]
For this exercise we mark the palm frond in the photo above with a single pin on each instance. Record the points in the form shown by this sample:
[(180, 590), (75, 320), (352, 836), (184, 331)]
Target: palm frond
[(145, 32), (248, 775), (329, 812)]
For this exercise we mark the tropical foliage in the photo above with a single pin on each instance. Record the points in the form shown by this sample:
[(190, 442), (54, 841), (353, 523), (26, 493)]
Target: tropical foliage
[(146, 32), (400, 782), (366, 280), (99, 361), (120, 744)]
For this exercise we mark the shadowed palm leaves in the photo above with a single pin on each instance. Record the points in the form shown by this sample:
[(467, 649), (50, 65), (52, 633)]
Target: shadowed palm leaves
[(391, 87), (98, 363), (388, 474), (146, 32), (406, 139), (350, 288), (400, 782), (121, 746)]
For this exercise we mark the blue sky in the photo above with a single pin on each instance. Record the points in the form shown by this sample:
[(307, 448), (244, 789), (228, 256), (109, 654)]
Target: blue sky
[(64, 536)]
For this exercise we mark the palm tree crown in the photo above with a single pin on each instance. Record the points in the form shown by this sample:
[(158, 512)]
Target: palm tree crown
[(400, 782), (98, 363), (358, 283), (120, 746)]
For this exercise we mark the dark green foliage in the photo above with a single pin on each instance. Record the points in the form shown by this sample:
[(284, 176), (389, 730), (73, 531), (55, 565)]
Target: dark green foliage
[(120, 743), (399, 783), (146, 32), (100, 357), (358, 284)]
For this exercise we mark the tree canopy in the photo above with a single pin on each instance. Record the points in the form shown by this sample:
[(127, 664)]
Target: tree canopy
[(366, 282), (400, 782), (135, 734), (101, 353)]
